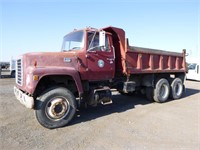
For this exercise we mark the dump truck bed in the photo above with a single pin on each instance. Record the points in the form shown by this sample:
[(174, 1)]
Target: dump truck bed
[(144, 60)]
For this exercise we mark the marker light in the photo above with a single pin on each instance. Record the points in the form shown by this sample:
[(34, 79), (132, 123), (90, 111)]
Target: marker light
[(35, 77)]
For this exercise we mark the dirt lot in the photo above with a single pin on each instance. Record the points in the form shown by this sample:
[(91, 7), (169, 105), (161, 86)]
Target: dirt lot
[(128, 123)]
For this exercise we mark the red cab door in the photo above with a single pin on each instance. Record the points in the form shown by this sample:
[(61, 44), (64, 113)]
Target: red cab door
[(100, 61)]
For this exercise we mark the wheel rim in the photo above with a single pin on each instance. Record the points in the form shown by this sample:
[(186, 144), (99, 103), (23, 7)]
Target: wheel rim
[(164, 91), (57, 108), (178, 89)]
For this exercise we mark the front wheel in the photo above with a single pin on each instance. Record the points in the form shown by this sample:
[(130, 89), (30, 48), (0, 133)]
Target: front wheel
[(56, 108)]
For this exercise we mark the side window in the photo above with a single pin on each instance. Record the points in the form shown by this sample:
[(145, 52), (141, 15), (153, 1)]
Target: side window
[(198, 69), (107, 44), (93, 41)]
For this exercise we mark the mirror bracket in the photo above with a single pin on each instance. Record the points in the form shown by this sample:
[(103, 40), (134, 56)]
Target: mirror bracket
[(102, 38)]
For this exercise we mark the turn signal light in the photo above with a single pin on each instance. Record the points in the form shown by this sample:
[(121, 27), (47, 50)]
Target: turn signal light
[(35, 77)]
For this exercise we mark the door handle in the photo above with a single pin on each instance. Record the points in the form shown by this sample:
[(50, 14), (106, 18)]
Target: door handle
[(111, 59)]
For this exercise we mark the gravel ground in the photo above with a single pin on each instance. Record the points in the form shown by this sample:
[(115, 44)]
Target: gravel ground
[(129, 123)]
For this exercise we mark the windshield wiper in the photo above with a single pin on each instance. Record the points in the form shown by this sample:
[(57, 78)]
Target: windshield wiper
[(75, 48), (65, 50)]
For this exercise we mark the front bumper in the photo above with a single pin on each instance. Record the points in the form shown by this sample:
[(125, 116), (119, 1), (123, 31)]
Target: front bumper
[(24, 99)]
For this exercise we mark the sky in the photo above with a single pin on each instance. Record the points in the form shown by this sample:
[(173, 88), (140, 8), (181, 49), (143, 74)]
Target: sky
[(39, 25)]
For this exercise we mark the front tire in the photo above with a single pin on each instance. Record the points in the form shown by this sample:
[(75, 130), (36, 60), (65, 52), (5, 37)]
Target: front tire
[(56, 108)]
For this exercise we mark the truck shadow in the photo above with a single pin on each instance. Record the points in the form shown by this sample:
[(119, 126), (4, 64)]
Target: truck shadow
[(121, 103), (193, 80), (190, 92)]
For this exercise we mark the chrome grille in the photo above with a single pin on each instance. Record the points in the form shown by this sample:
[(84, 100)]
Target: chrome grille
[(19, 72)]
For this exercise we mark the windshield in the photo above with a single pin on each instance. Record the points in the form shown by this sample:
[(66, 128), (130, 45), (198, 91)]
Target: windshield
[(73, 41)]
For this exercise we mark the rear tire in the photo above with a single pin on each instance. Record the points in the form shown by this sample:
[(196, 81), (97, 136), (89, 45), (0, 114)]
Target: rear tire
[(12, 74), (177, 88), (149, 93), (55, 108), (161, 90)]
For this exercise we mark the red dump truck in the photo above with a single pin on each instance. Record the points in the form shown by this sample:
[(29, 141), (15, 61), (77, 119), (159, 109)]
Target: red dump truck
[(90, 64)]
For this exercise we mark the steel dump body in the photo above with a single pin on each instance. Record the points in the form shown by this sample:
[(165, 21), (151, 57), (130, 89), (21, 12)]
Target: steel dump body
[(137, 60), (144, 60)]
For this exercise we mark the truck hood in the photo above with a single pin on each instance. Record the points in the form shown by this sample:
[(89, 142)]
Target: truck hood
[(42, 64), (50, 59)]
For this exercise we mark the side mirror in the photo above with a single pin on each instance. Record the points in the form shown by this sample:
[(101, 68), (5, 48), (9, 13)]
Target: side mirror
[(102, 38)]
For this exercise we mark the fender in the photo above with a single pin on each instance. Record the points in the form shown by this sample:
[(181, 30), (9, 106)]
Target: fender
[(51, 70)]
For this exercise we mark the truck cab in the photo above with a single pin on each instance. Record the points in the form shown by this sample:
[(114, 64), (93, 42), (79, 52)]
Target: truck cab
[(94, 53)]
